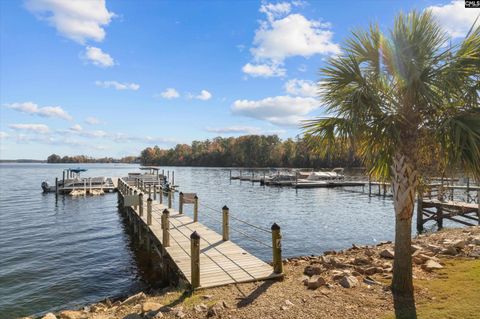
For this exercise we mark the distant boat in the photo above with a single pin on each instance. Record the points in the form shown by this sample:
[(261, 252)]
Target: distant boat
[(72, 183)]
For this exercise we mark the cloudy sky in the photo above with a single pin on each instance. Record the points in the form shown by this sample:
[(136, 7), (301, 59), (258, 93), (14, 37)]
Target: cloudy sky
[(108, 78)]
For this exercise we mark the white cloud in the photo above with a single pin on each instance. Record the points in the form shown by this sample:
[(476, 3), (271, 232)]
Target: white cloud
[(3, 135), (275, 10), (284, 34), (78, 20), (37, 128), (170, 93), (263, 70), (293, 35), (301, 87), (97, 57), (204, 95), (455, 18), (46, 111), (92, 120), (234, 130), (117, 85), (279, 110), (76, 128)]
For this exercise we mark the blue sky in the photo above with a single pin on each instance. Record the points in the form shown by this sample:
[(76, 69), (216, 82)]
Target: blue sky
[(111, 78)]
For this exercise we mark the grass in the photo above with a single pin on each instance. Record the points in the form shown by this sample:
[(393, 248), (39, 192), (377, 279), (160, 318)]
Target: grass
[(453, 294)]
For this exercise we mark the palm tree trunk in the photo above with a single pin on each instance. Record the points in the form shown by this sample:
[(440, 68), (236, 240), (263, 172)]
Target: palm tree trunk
[(404, 185)]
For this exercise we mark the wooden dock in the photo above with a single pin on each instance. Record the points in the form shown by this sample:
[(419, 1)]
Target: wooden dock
[(218, 261)]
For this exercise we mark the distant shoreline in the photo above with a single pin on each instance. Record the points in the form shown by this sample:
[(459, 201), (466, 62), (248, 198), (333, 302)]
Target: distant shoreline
[(22, 161)]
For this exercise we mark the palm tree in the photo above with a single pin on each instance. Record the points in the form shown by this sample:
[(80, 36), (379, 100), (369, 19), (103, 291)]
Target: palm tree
[(395, 97)]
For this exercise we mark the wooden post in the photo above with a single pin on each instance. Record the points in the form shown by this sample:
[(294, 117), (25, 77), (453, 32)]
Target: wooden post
[(180, 203), (63, 178), (468, 190), (135, 193), (277, 249), (56, 185), (140, 204), (420, 211), (165, 228), (195, 208), (230, 174), (369, 186), (440, 216), (173, 178), (225, 223), (253, 175), (155, 191), (379, 188), (160, 195), (195, 259), (169, 198), (149, 211), (168, 176)]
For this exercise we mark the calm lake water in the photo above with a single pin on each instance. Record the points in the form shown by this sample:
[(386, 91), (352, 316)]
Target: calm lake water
[(74, 251)]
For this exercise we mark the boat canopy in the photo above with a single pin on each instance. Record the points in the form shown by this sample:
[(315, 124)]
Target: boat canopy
[(77, 170)]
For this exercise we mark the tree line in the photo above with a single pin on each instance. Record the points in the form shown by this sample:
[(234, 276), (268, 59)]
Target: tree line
[(248, 151), (54, 158)]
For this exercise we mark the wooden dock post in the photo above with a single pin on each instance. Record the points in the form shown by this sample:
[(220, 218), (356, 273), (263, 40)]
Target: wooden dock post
[(166, 227), (420, 211), (56, 185), (155, 192), (140, 204), (195, 208), (384, 189), (225, 223), (160, 195), (169, 198), (230, 174), (135, 193), (63, 178), (173, 178), (149, 190), (369, 185), (180, 203), (439, 216), (253, 175), (195, 259), (277, 249), (149, 211)]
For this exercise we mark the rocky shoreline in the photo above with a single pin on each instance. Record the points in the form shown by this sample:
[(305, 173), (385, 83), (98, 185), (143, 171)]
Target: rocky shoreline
[(353, 282)]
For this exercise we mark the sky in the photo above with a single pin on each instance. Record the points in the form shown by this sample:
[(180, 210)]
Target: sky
[(109, 78)]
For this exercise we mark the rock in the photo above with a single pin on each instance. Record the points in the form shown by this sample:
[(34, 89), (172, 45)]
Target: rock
[(284, 308), (356, 273), (206, 297), (72, 314), (180, 314), (369, 252), (200, 308), (305, 280), (212, 312), (49, 316), (134, 299), (348, 282), (387, 253), (288, 303), (158, 315), (329, 252), (416, 248), (151, 306), (370, 281), (434, 248), (315, 282), (373, 270), (361, 261), (132, 316), (417, 260), (312, 270), (431, 265), (460, 244), (449, 250), (476, 240), (97, 307)]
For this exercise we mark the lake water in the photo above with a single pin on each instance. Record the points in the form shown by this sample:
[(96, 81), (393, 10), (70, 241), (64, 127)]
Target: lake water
[(72, 251)]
